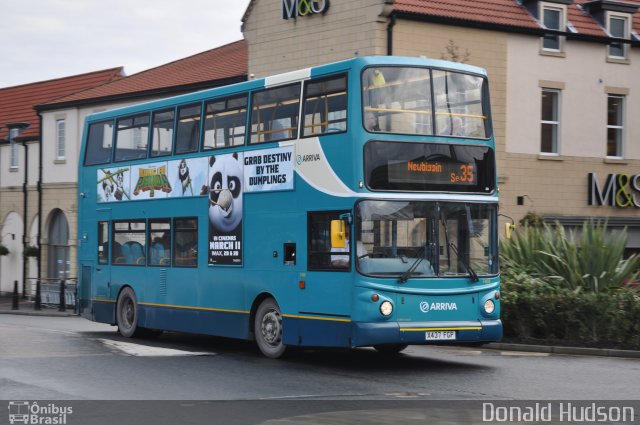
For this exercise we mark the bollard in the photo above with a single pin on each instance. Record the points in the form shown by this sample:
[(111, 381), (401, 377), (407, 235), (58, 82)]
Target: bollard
[(14, 303), (63, 303), (38, 304)]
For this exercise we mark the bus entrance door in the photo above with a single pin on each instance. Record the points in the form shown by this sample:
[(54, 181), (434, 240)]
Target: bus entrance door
[(95, 286)]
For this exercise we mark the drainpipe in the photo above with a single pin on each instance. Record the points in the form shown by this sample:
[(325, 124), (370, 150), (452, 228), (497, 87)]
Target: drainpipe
[(390, 25), (39, 187), (26, 218)]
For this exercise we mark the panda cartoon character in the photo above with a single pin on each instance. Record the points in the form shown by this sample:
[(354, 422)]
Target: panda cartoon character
[(183, 175), (107, 189), (119, 187), (225, 192)]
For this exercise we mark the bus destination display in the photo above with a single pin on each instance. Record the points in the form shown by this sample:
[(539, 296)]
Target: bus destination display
[(424, 167), (435, 171)]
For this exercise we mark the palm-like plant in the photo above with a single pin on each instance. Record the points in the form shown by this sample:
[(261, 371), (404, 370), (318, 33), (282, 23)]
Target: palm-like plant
[(590, 261)]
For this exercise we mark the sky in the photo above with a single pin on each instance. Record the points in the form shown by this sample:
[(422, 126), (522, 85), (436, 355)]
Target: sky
[(45, 39)]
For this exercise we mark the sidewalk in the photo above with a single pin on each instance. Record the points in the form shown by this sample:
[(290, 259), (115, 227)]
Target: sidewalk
[(26, 308)]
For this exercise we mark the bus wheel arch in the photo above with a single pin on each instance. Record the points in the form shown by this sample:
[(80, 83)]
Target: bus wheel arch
[(268, 329)]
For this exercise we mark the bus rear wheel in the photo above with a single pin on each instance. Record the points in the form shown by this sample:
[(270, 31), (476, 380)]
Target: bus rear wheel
[(268, 329), (390, 349), (127, 313)]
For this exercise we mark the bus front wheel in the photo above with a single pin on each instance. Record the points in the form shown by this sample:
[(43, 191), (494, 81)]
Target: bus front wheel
[(268, 329), (127, 313)]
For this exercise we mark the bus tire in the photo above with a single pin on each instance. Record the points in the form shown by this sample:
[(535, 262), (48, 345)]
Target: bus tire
[(268, 329), (390, 349), (127, 313)]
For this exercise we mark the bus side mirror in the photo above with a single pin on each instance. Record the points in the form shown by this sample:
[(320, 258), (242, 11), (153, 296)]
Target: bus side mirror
[(338, 234), (508, 228)]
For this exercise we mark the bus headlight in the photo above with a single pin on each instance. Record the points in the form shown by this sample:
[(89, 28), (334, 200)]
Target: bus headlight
[(489, 306), (386, 308)]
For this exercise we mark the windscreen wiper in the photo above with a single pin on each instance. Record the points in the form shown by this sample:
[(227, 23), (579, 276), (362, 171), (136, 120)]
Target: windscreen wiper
[(405, 276), (472, 274)]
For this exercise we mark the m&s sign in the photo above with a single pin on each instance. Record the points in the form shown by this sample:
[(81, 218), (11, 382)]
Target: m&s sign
[(295, 8)]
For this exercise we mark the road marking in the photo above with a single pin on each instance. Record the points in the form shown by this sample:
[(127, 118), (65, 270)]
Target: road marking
[(524, 353), (150, 351)]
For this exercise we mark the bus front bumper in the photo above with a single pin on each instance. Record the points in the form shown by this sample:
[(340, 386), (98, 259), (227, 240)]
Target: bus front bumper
[(414, 333)]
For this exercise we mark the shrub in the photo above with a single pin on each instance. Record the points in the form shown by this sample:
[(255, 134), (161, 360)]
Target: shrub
[(576, 288)]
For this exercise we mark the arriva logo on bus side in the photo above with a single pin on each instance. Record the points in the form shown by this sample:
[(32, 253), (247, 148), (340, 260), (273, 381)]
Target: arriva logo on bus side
[(295, 8), (425, 306)]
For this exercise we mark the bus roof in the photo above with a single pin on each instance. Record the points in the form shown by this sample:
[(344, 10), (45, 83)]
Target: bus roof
[(284, 78)]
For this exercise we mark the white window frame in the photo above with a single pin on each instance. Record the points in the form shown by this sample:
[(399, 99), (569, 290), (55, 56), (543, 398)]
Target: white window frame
[(61, 135), (627, 33), (14, 159), (556, 142), (563, 24), (620, 148)]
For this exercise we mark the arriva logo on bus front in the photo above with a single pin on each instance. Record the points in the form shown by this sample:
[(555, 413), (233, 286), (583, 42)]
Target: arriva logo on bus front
[(425, 306)]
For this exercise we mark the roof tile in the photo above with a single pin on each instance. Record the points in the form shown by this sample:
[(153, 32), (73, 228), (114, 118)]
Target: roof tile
[(228, 61), (503, 12), (17, 102)]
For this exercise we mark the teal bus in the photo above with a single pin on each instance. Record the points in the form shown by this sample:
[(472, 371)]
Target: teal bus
[(351, 204)]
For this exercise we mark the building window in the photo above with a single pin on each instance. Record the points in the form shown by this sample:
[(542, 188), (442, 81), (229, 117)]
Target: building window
[(58, 253), (13, 160), (552, 19), (60, 139), (550, 121), (618, 27), (615, 125)]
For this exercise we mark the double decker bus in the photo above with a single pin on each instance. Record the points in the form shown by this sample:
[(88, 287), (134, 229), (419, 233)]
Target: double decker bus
[(345, 205)]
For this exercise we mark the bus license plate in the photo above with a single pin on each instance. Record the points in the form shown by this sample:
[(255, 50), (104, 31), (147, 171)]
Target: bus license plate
[(440, 335)]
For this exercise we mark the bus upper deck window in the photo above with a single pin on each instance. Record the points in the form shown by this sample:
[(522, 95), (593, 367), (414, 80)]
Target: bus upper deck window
[(325, 106), (224, 123), (99, 142), (132, 138), (162, 133), (397, 100), (188, 131), (274, 114)]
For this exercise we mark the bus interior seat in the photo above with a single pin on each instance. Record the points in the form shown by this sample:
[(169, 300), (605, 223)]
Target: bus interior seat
[(402, 122)]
